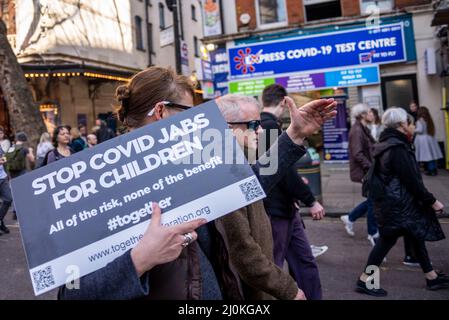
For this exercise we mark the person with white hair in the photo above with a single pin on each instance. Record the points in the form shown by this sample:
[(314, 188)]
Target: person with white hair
[(402, 204), (249, 228), (361, 143)]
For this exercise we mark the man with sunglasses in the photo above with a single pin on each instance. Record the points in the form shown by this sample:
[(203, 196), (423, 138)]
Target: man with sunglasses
[(248, 229)]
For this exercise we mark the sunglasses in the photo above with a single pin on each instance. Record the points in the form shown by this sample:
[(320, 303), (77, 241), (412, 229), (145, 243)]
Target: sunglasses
[(251, 125), (170, 104)]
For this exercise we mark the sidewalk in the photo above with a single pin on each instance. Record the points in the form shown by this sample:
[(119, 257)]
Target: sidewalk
[(340, 194)]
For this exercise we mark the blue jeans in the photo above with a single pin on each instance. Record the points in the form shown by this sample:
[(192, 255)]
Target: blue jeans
[(431, 166), (365, 207)]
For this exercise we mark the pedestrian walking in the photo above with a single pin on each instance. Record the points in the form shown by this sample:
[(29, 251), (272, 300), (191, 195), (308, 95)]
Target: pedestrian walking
[(289, 236), (361, 144), (104, 133), (43, 148), (5, 193), (5, 144), (426, 146), (77, 143), (413, 110), (374, 123), (61, 144), (402, 204), (91, 140)]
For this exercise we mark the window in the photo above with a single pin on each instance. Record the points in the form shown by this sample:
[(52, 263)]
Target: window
[(270, 12), (193, 8), (139, 38), (398, 91), (322, 9), (367, 6), (196, 47), (150, 43), (161, 16)]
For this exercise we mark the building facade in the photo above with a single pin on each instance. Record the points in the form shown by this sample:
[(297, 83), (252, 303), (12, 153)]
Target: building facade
[(384, 53), (75, 52)]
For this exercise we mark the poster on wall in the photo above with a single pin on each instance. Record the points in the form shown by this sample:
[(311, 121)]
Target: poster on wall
[(220, 71), (211, 18), (335, 136)]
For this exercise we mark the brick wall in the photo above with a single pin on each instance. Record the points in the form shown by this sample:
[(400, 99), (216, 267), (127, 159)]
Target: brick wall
[(405, 3), (245, 6), (295, 10), (350, 8)]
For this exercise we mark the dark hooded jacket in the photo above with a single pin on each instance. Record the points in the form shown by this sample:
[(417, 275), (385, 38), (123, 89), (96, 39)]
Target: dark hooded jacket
[(406, 203)]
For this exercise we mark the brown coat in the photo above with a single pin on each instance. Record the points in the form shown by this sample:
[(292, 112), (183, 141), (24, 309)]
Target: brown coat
[(248, 235), (360, 151)]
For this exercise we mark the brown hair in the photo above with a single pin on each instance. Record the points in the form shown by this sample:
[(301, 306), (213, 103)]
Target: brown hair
[(376, 115), (146, 89), (424, 113)]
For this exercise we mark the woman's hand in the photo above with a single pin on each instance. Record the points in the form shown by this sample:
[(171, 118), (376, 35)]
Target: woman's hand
[(438, 207), (161, 244), (300, 295)]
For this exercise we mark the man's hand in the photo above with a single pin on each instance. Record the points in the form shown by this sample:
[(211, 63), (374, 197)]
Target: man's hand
[(317, 211), (300, 295), (161, 244), (438, 207), (309, 118)]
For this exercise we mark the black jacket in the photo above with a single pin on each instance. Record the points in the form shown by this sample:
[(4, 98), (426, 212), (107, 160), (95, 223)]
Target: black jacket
[(407, 202), (281, 200)]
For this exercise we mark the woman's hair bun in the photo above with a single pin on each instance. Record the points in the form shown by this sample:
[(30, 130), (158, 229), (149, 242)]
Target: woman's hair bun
[(123, 93)]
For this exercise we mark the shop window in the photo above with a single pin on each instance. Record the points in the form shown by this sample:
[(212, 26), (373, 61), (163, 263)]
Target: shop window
[(161, 16), (271, 13), (322, 9), (196, 47), (367, 6), (193, 9), (139, 38)]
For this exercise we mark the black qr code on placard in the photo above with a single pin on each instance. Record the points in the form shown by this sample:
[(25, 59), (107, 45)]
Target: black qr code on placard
[(251, 190), (43, 278)]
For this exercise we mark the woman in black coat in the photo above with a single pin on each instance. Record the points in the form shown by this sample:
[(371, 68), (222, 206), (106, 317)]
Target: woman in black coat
[(402, 204)]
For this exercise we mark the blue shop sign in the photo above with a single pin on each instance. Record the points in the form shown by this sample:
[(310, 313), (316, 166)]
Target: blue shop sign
[(362, 46)]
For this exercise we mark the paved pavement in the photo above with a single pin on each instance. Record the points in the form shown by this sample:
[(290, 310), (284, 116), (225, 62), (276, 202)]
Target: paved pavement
[(340, 194), (344, 261), (339, 267)]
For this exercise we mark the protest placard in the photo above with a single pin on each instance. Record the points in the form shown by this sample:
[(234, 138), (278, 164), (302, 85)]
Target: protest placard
[(79, 213)]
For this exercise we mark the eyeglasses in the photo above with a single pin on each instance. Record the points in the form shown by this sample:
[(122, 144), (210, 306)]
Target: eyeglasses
[(170, 104), (251, 125)]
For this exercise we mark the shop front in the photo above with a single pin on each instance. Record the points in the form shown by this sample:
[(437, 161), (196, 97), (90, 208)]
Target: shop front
[(351, 62)]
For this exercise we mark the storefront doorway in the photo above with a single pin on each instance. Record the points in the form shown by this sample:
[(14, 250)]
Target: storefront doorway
[(399, 91)]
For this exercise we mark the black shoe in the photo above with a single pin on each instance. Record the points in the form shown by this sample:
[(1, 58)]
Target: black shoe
[(3, 227), (411, 262), (361, 288), (441, 282)]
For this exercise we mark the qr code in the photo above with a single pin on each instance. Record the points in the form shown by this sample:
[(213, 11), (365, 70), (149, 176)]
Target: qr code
[(43, 278), (251, 189)]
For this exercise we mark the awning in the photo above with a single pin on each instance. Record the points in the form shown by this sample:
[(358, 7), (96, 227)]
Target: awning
[(74, 70)]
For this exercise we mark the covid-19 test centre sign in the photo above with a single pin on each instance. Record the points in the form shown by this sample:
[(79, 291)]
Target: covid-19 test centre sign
[(330, 52)]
